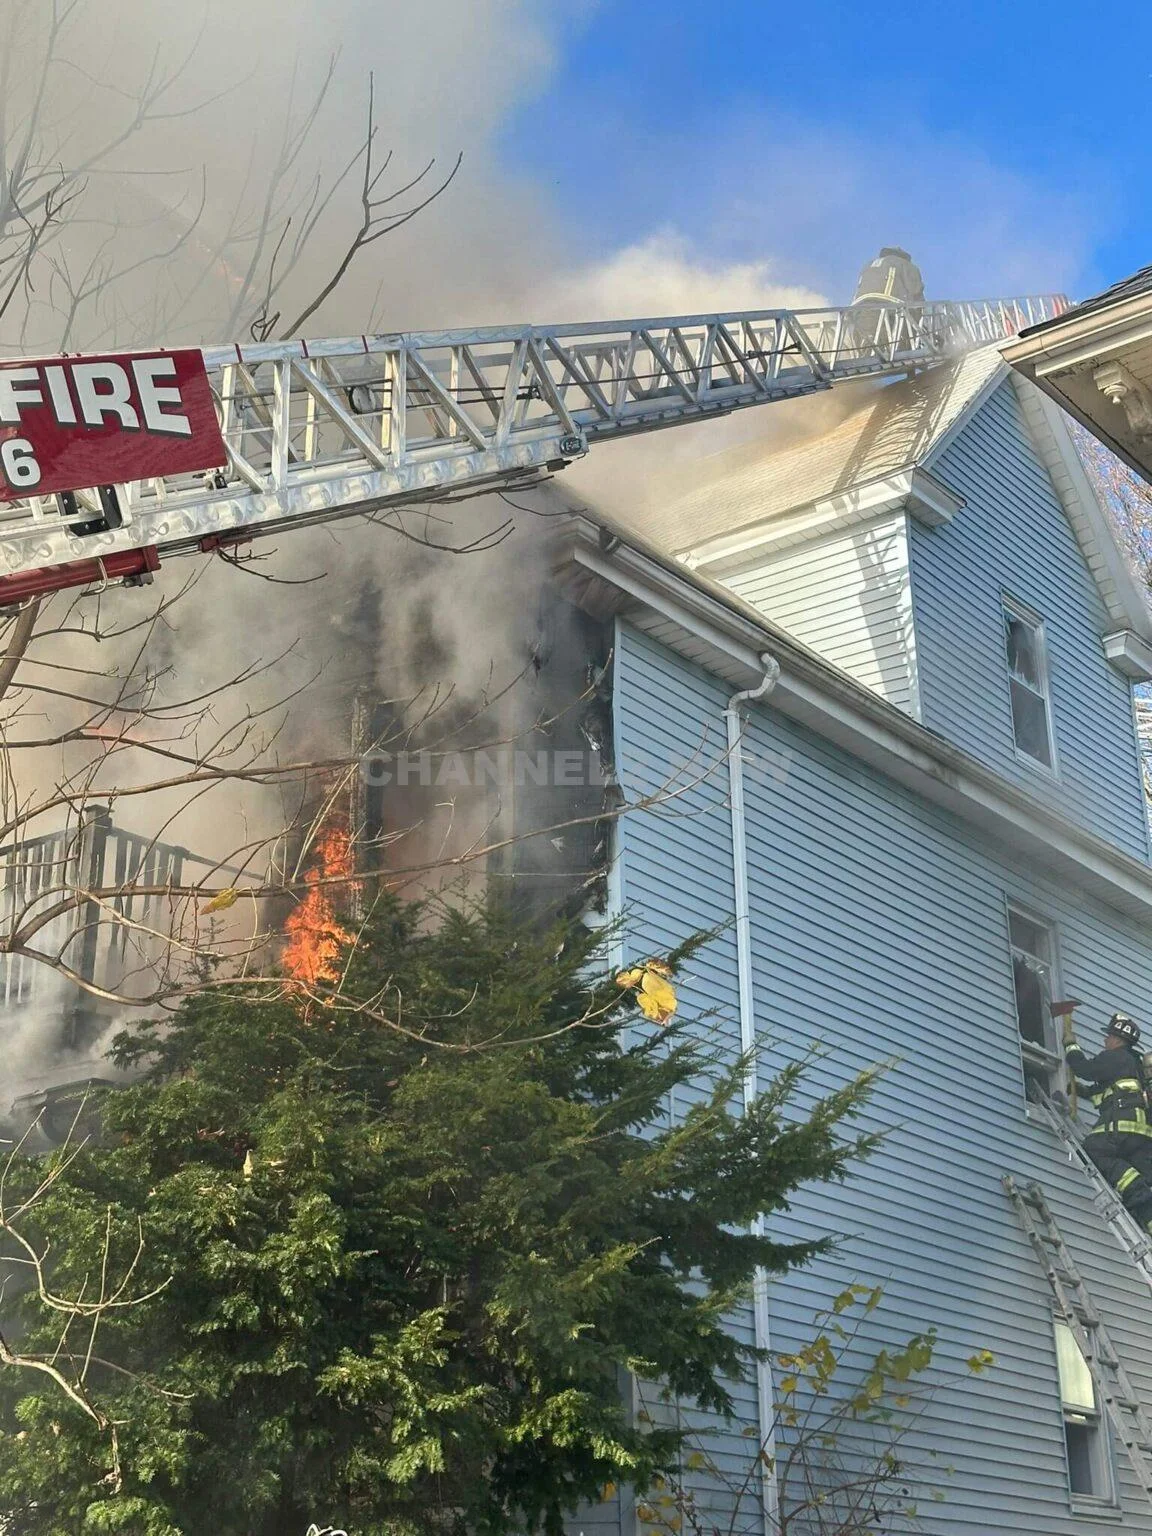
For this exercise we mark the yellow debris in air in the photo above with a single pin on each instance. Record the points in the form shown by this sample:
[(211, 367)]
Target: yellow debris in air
[(223, 900)]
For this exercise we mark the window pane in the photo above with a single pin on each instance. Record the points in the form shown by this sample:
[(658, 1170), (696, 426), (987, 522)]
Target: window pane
[(1030, 723), (1023, 645), (1031, 980), (1078, 1438), (1028, 935), (1077, 1391)]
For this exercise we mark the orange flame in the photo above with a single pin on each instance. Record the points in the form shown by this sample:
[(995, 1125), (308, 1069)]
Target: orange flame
[(314, 936)]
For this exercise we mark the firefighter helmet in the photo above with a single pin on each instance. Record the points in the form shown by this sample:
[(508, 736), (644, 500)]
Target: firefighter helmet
[(1125, 1029)]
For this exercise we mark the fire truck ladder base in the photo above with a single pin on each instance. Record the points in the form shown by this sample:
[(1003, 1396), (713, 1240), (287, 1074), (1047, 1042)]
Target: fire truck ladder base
[(1075, 1308)]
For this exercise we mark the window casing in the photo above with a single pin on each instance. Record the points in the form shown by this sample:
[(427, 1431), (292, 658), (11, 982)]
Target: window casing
[(1086, 1443), (1027, 658), (1033, 948)]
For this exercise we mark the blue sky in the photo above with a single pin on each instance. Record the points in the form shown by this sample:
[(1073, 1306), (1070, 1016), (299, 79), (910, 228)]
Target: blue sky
[(1007, 145)]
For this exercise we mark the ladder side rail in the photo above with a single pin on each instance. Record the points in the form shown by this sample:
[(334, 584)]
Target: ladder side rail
[(1105, 1365), (1099, 1341), (1088, 1329), (1099, 1337)]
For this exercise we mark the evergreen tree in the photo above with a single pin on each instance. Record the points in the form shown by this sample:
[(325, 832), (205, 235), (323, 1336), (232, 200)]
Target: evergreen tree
[(404, 1247)]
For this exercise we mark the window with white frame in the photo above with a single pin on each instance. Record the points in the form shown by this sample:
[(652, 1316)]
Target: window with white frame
[(1028, 683), (1085, 1435), (1033, 946)]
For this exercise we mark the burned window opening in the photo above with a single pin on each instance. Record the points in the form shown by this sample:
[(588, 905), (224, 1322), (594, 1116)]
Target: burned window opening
[(1032, 946), (530, 778)]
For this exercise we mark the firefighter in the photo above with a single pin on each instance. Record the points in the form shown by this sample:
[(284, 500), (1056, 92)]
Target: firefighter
[(1120, 1143), (892, 278), (888, 287)]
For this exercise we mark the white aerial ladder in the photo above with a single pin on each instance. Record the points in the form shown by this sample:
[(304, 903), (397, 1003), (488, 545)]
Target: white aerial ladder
[(318, 430)]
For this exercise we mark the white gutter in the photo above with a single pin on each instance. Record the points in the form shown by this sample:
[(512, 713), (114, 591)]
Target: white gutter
[(727, 640), (766, 1397), (1089, 337)]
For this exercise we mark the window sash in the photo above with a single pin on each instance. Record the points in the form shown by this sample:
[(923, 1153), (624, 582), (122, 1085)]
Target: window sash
[(1032, 936), (1031, 730), (1026, 656), (1025, 661), (1087, 1443), (1032, 948), (1077, 1389)]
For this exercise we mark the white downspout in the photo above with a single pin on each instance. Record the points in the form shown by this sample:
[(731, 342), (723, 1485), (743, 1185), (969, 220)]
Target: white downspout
[(766, 1397)]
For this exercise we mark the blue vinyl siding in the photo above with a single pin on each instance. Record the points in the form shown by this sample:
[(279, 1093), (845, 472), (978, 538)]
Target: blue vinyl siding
[(880, 931), (1013, 538)]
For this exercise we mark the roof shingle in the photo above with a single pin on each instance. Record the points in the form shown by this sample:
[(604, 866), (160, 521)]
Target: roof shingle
[(893, 429), (1127, 288)]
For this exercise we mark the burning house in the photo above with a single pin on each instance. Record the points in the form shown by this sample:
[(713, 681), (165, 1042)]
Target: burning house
[(861, 709)]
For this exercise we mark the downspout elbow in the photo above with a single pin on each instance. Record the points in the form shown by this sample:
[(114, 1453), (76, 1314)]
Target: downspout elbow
[(762, 689)]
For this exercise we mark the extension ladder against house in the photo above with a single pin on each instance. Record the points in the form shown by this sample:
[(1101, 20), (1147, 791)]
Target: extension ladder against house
[(1076, 1309), (1132, 1238)]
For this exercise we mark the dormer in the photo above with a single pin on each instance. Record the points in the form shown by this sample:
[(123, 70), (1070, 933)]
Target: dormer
[(942, 544)]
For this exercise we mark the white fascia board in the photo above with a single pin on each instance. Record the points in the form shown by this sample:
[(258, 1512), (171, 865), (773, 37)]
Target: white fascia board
[(913, 490), (1096, 335), (843, 712), (684, 604), (1129, 654), (1122, 594)]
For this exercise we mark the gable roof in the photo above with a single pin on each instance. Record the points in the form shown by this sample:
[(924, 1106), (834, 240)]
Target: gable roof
[(896, 429), (893, 428)]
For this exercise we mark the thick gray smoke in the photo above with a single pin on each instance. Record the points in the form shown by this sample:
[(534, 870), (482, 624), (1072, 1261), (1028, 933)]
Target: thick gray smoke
[(491, 247), (171, 237), (243, 80)]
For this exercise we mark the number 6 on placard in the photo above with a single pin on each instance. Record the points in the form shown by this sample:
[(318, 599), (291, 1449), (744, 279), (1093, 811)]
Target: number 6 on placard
[(21, 469)]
